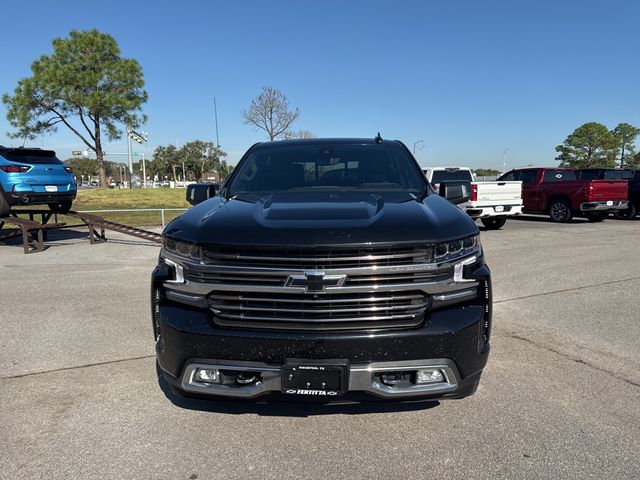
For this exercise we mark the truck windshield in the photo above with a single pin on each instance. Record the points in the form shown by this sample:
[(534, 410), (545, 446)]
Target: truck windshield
[(312, 168)]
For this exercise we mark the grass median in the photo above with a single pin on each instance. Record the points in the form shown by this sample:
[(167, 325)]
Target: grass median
[(119, 199)]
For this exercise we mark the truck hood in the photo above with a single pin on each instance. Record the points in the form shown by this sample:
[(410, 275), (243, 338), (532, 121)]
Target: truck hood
[(321, 219)]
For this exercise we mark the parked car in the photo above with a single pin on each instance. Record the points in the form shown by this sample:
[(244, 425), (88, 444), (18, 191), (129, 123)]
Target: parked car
[(631, 176), (323, 268), (558, 193), (491, 202), (31, 176)]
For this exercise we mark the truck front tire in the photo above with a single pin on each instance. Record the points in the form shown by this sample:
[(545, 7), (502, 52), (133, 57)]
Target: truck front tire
[(560, 211)]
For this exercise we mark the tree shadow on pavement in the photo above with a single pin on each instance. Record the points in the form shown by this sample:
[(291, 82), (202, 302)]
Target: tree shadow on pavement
[(284, 407)]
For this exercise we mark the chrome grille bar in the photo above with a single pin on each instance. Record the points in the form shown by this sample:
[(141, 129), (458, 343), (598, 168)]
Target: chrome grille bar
[(308, 311), (348, 257)]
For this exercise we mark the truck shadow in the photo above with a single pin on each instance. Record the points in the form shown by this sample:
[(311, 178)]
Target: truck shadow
[(286, 408), (546, 219)]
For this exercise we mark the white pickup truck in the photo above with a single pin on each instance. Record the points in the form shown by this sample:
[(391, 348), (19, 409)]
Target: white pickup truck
[(491, 202)]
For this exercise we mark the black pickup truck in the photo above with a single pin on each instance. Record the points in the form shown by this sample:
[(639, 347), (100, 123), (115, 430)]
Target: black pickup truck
[(632, 176), (325, 269)]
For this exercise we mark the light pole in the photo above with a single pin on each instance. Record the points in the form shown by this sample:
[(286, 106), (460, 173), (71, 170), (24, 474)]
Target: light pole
[(144, 173), (129, 130), (140, 138), (414, 145), (504, 160)]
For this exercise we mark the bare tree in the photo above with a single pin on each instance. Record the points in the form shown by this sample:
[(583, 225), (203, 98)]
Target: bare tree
[(288, 135), (270, 112)]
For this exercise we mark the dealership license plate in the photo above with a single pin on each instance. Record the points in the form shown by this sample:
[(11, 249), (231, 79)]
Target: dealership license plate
[(609, 203), (50, 188), (499, 208), (325, 378)]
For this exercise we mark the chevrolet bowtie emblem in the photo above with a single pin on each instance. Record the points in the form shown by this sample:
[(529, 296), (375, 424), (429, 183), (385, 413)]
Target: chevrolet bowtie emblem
[(314, 281)]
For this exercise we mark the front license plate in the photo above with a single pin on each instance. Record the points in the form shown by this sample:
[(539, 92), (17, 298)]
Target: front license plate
[(315, 378), (499, 208), (609, 203), (51, 188)]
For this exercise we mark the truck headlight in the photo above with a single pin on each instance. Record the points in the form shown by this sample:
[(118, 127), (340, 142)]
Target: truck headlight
[(183, 249), (454, 249), (178, 250)]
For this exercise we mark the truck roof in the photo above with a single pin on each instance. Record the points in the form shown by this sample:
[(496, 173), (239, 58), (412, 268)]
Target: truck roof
[(330, 141), (446, 168), (543, 168)]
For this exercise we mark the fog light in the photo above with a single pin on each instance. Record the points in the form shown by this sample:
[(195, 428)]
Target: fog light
[(207, 375), (245, 378), (429, 375), (391, 378)]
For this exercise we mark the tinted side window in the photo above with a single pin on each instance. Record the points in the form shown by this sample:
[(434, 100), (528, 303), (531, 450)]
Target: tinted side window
[(509, 176), (559, 176), (528, 176), (612, 175), (627, 174), (588, 175)]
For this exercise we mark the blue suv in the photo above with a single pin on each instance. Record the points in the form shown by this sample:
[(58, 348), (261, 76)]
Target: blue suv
[(33, 176)]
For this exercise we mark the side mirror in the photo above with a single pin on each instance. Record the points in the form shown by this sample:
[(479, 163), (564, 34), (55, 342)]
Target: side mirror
[(199, 192), (456, 191)]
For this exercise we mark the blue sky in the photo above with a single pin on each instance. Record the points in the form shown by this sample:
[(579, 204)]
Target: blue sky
[(469, 78)]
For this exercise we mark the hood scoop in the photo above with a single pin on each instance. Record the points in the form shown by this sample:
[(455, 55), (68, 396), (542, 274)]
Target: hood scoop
[(363, 208)]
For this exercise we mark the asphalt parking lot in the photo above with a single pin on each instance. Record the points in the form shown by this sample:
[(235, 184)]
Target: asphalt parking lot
[(560, 397)]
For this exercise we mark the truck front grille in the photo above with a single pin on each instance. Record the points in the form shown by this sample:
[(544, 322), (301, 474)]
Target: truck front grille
[(319, 258), (338, 311)]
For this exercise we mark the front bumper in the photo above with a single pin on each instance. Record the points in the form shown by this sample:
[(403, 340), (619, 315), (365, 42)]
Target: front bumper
[(611, 205), (362, 378), (453, 338)]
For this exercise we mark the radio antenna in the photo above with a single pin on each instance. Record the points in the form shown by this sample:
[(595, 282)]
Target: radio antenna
[(215, 113)]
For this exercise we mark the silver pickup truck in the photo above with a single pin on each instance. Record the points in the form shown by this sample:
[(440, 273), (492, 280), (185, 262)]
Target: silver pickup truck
[(491, 202)]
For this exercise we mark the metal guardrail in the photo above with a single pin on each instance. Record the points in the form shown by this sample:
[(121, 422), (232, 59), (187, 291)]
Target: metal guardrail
[(34, 233), (129, 210)]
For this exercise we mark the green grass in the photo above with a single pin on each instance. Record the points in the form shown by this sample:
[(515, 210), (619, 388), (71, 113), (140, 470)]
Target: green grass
[(116, 199), (135, 198), (120, 199)]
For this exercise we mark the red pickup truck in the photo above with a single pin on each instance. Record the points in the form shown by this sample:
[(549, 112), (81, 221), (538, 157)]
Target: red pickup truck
[(558, 193)]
